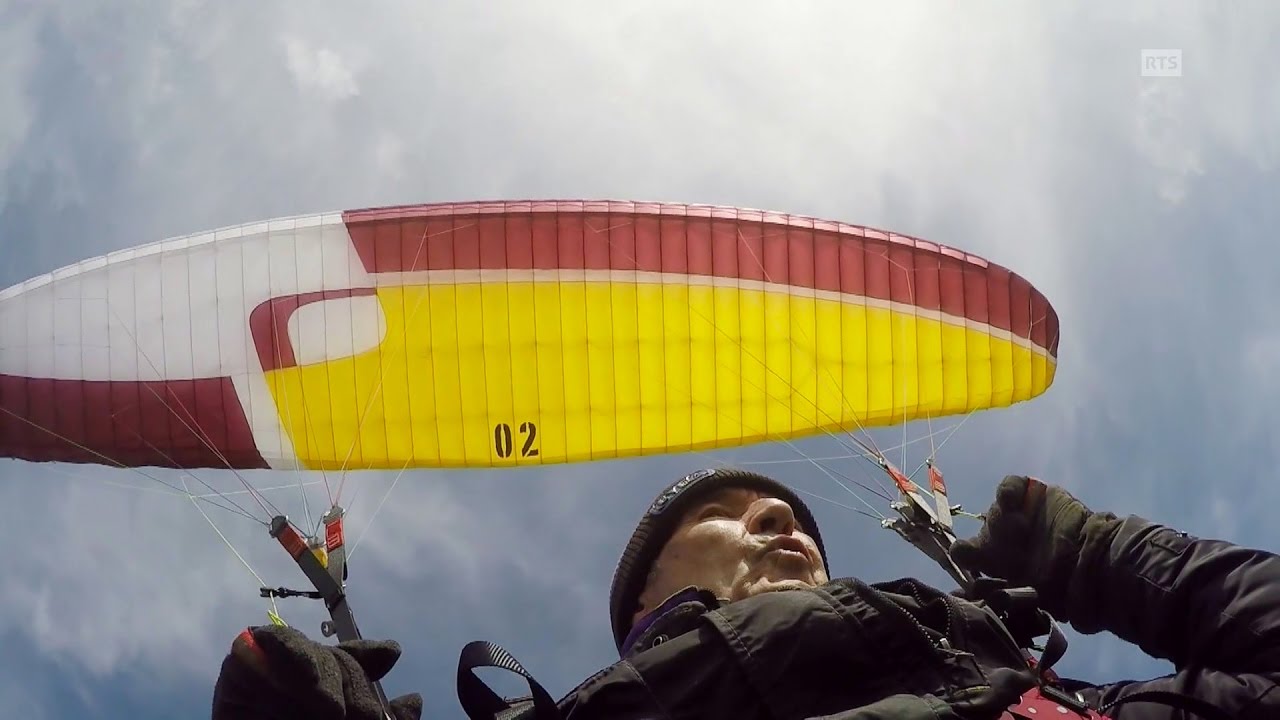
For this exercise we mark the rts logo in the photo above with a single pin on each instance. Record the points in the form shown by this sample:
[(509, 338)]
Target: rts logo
[(1161, 63)]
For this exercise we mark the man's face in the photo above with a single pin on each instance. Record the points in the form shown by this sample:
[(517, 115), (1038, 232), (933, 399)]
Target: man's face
[(735, 543)]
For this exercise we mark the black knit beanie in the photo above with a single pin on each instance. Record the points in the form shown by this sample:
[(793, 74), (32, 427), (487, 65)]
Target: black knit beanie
[(660, 521)]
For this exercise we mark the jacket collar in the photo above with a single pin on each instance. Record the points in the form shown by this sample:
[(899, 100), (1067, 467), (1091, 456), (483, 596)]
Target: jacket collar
[(665, 619)]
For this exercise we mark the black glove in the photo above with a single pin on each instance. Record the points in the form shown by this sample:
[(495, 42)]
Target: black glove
[(277, 673), (1032, 536)]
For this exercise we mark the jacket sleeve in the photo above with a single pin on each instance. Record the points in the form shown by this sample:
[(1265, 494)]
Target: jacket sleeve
[(1210, 607)]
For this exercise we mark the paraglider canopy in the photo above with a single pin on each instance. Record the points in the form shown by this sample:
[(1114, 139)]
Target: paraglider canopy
[(504, 334)]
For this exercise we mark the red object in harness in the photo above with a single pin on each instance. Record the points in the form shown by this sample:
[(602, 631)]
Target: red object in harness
[(1035, 705)]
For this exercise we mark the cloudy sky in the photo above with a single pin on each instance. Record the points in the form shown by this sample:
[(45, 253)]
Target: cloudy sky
[(1143, 207)]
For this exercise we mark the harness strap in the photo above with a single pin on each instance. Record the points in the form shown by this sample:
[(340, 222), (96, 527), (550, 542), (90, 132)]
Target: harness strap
[(480, 702)]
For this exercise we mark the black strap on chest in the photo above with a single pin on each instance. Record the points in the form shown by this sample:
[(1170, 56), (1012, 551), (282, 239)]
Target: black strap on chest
[(479, 702)]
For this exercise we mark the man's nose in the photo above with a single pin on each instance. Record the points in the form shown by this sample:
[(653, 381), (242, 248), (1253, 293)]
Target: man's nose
[(770, 516)]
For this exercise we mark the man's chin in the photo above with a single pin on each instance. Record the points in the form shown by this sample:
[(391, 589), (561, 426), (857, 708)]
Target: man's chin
[(765, 585)]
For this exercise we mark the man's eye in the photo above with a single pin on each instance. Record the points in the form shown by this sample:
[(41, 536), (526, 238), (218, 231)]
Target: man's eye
[(712, 512)]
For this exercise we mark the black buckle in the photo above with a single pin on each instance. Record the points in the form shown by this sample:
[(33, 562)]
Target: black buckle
[(1065, 699)]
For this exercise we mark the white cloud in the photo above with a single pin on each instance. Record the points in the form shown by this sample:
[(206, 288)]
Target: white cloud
[(389, 154), (18, 53), (1165, 138), (319, 70)]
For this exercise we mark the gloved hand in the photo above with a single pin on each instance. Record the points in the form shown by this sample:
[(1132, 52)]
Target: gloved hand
[(1032, 536), (278, 673)]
